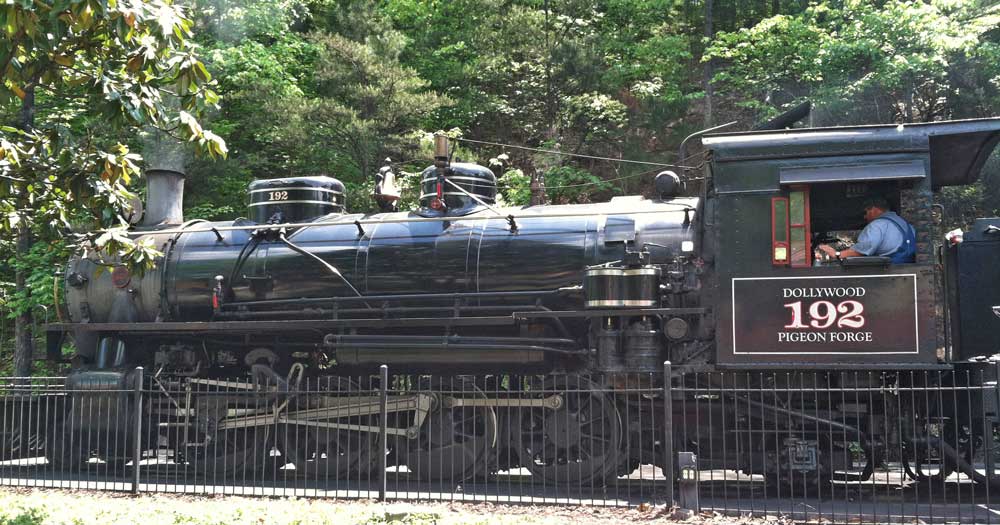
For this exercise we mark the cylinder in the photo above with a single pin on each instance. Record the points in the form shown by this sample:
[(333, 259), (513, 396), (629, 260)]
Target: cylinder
[(164, 197), (604, 287), (609, 355), (643, 349), (641, 287)]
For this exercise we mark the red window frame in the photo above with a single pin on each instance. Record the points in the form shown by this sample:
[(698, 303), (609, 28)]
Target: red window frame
[(775, 243)]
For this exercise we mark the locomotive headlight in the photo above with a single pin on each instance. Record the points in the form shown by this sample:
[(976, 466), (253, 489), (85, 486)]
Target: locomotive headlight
[(687, 246), (780, 253)]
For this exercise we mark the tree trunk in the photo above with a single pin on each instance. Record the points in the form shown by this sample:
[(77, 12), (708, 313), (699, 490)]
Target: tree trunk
[(23, 337), (908, 103), (550, 98), (24, 344), (708, 70), (775, 7)]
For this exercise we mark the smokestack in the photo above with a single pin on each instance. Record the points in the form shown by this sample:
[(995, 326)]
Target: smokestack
[(165, 158), (164, 197)]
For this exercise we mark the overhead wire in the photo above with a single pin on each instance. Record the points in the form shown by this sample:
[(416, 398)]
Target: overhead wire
[(578, 155), (602, 181), (678, 165)]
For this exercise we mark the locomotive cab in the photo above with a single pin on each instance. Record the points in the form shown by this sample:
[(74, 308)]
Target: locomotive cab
[(782, 193)]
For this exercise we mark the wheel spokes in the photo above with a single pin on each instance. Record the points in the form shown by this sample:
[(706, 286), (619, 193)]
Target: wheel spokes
[(578, 442)]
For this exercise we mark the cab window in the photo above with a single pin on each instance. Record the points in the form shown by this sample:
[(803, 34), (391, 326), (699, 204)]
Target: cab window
[(804, 216), (790, 234)]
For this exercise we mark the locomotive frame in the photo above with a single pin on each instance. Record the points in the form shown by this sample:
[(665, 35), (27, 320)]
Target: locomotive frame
[(555, 291)]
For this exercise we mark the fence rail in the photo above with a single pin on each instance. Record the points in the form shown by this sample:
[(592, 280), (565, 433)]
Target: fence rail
[(846, 446)]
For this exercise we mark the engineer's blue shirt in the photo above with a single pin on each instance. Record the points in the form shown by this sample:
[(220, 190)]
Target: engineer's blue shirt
[(880, 237)]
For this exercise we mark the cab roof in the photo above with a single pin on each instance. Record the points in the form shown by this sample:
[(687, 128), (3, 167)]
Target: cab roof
[(957, 149)]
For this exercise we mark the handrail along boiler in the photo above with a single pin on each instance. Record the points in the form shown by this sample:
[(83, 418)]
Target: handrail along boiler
[(720, 279)]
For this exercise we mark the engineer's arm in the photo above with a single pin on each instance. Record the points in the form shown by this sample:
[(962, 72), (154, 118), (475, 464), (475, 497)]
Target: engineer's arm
[(850, 252)]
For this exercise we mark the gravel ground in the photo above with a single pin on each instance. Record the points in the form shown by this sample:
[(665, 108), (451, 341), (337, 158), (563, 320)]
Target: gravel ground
[(61, 507)]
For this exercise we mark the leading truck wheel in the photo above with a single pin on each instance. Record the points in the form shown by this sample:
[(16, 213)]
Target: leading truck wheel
[(330, 453), (64, 449), (578, 443)]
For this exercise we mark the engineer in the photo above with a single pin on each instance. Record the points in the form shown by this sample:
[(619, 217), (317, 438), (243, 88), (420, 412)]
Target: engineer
[(886, 235)]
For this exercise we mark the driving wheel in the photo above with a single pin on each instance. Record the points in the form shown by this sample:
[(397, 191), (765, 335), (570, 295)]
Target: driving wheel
[(454, 442), (230, 452), (577, 443)]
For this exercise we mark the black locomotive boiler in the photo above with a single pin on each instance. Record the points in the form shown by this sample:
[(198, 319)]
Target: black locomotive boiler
[(718, 277)]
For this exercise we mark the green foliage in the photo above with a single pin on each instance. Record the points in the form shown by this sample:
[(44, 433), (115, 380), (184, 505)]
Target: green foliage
[(234, 21), (255, 76), (40, 265), (362, 107), (964, 204), (30, 516), (514, 188), (860, 61), (127, 65), (594, 116), (570, 72), (80, 81), (347, 83), (569, 185)]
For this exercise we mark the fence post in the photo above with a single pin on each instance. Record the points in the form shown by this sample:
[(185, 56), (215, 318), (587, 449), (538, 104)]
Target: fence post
[(988, 440), (137, 450), (382, 428), (668, 437)]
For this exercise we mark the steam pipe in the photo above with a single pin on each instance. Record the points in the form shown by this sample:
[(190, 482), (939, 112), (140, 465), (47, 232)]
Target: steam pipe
[(435, 343), (405, 297), (416, 347), (447, 339), (312, 313)]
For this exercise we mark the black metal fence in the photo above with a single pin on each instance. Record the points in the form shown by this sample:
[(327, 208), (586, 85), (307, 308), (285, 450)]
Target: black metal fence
[(853, 446)]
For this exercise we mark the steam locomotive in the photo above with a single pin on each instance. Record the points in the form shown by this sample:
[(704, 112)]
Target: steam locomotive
[(718, 277)]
